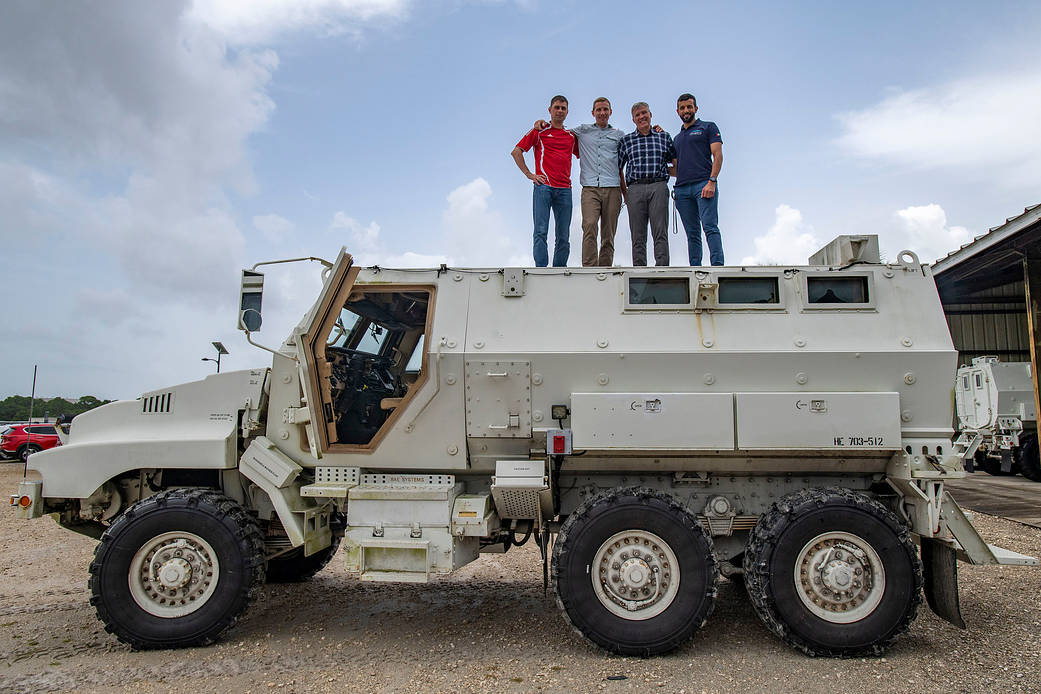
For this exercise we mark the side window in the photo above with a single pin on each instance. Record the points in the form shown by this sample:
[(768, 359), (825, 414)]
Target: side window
[(376, 339), (659, 291), (837, 290), (46, 431), (748, 290), (979, 381)]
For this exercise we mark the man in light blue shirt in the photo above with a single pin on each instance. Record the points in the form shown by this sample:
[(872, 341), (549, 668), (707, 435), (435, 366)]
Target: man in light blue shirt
[(601, 184)]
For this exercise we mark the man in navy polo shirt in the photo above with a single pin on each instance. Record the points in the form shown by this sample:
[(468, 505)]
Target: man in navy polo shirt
[(699, 157)]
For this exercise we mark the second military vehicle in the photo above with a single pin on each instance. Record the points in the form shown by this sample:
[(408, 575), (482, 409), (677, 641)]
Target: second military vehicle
[(997, 417)]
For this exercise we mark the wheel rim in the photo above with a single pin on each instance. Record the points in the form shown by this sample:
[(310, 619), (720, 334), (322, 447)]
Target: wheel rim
[(637, 575), (839, 577), (173, 574)]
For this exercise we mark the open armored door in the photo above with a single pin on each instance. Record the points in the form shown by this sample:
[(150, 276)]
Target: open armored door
[(310, 345)]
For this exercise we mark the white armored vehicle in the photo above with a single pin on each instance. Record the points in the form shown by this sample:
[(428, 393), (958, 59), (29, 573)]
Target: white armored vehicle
[(997, 417), (664, 425)]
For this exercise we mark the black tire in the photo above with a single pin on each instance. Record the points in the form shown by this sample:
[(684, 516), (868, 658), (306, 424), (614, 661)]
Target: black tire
[(293, 566), (237, 546), (1027, 458), (683, 609), (25, 451), (780, 538), (992, 466)]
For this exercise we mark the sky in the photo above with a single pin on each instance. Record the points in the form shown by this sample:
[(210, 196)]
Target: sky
[(150, 151)]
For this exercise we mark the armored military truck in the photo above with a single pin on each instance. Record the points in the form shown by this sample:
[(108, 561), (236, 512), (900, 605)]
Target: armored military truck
[(651, 429), (997, 417)]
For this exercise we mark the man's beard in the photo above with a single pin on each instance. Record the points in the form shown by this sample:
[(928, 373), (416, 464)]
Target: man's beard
[(688, 118)]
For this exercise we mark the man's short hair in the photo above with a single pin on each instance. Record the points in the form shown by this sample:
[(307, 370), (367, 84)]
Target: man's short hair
[(685, 97), (558, 97), (598, 99), (640, 104)]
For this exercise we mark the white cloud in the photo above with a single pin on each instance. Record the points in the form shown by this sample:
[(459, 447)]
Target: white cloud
[(361, 240), (790, 241), (981, 127), (472, 235), (924, 230), (253, 21), (477, 235), (273, 227)]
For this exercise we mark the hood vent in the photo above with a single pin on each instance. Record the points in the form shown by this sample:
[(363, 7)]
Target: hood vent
[(157, 403)]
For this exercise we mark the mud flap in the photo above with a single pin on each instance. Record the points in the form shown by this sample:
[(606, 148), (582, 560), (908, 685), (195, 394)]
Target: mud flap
[(940, 564)]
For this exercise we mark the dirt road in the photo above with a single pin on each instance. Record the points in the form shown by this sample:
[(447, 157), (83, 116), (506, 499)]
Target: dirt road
[(486, 628)]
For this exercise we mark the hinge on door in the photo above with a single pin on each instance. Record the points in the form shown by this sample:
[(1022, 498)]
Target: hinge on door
[(328, 409)]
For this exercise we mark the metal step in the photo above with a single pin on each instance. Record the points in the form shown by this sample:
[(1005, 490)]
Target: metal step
[(1007, 556)]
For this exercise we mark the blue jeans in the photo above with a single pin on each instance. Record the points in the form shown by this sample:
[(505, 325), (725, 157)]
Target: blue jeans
[(559, 200), (697, 213)]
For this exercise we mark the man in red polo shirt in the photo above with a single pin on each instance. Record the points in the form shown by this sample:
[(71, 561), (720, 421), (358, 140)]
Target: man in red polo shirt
[(554, 147)]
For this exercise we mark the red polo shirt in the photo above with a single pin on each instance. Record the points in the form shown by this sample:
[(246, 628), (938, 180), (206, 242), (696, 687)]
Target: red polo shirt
[(553, 150)]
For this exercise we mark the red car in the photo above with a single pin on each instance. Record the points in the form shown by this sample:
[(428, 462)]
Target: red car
[(22, 440)]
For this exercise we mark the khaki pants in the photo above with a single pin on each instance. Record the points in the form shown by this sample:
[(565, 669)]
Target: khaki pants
[(599, 205)]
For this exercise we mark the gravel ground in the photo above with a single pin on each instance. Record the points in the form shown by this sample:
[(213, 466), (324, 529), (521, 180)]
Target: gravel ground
[(486, 628)]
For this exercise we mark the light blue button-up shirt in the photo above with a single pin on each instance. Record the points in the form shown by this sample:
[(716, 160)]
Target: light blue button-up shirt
[(598, 155)]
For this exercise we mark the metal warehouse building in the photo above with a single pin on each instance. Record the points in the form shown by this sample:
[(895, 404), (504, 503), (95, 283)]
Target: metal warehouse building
[(991, 293)]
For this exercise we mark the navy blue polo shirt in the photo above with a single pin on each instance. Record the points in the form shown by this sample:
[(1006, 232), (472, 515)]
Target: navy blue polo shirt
[(694, 152)]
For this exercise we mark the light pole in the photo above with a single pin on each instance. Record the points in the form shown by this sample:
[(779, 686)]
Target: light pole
[(221, 349)]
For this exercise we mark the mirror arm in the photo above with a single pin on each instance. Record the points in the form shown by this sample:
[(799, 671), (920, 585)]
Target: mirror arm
[(268, 349), (324, 262)]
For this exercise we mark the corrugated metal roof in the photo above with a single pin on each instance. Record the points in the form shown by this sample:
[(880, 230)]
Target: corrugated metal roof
[(996, 234)]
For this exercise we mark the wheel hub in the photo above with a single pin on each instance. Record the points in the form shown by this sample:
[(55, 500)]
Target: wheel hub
[(637, 575), (173, 574), (839, 577)]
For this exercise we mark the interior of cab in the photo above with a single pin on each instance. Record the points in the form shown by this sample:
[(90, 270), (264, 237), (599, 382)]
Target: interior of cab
[(374, 352)]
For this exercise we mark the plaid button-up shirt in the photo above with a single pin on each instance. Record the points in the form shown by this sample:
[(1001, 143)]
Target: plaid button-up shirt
[(646, 156)]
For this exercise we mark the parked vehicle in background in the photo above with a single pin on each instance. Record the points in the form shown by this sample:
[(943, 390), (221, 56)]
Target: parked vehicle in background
[(22, 440), (997, 417)]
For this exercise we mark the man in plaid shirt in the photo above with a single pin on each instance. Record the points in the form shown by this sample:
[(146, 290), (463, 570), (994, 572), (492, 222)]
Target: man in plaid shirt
[(645, 157)]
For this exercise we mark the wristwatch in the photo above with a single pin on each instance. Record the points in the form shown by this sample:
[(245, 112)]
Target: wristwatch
[(712, 179)]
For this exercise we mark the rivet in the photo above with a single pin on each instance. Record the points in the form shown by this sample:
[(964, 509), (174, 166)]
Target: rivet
[(905, 416), (602, 342), (709, 379), (283, 434), (453, 449), (484, 277), (537, 415), (450, 379), (450, 344), (479, 344), (707, 342), (906, 342), (536, 379), (909, 378), (601, 276), (887, 273), (801, 378), (457, 276), (286, 378), (603, 379), (800, 342)]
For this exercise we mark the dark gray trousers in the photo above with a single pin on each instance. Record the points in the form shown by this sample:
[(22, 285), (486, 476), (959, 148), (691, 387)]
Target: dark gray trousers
[(649, 201)]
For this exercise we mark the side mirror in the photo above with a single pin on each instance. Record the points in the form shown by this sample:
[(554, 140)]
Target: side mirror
[(251, 295)]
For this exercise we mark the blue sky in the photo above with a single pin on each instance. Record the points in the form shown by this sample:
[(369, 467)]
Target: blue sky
[(148, 151)]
